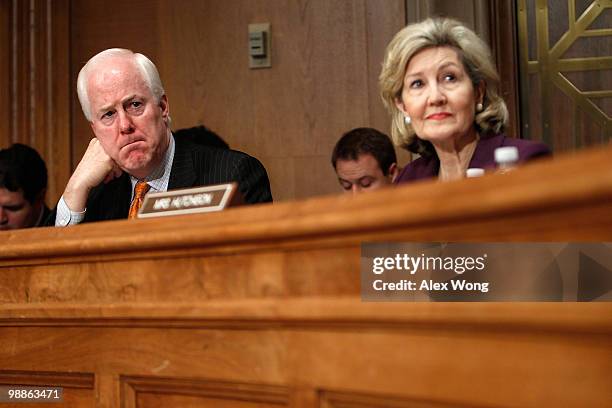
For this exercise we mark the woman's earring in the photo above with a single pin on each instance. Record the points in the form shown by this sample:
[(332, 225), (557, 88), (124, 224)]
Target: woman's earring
[(407, 120), (479, 107)]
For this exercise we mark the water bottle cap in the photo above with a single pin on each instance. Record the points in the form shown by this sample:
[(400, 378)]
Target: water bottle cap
[(474, 172), (507, 154)]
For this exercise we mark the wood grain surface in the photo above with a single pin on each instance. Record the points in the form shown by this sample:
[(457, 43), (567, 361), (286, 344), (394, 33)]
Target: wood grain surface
[(260, 306)]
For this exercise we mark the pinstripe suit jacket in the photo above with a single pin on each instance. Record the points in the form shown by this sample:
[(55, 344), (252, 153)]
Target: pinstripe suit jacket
[(193, 165)]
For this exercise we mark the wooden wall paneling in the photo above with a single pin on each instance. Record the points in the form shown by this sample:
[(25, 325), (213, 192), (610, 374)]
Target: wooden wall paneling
[(108, 389), (20, 71), (36, 78), (416, 10), (382, 24), (572, 40), (561, 133), (504, 44), (39, 76), (474, 13), (335, 399), (18, 77), (5, 72), (588, 132), (154, 392), (531, 108), (57, 144)]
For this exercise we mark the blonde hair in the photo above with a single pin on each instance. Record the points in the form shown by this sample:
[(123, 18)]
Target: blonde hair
[(473, 53)]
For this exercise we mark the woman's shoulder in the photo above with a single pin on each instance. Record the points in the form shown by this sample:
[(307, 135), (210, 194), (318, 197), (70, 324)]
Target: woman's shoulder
[(528, 149), (419, 169)]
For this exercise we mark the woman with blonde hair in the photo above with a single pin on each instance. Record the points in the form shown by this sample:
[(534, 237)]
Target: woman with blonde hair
[(439, 83)]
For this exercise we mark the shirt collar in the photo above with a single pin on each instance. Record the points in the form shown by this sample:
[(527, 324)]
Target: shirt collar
[(158, 179)]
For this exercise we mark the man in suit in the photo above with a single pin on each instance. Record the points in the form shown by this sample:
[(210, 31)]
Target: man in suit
[(364, 160), (122, 97), (23, 184)]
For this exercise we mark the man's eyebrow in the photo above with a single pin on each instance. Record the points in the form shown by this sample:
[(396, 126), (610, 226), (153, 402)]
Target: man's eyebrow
[(128, 99), (105, 108), (125, 100), (13, 207)]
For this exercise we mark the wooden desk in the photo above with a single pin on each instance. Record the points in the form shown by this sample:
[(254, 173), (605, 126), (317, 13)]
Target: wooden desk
[(260, 306)]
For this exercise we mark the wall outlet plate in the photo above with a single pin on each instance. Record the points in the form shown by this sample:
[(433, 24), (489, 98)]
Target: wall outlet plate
[(260, 52)]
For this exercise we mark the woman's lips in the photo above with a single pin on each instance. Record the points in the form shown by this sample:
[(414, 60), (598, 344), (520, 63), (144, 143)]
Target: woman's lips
[(438, 116)]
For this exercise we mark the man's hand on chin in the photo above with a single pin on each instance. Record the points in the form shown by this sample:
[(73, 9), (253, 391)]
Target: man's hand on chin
[(95, 167)]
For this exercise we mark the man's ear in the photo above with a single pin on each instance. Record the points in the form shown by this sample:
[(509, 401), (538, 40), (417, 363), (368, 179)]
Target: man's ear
[(165, 107), (394, 172)]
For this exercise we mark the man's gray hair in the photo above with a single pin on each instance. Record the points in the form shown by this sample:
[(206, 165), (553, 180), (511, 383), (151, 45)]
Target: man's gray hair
[(147, 69)]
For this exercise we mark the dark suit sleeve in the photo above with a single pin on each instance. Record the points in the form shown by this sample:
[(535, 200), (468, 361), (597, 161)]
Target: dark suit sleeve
[(49, 219), (252, 180)]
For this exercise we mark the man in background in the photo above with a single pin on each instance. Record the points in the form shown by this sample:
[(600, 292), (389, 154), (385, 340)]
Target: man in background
[(202, 135), (364, 160), (23, 185), (134, 151)]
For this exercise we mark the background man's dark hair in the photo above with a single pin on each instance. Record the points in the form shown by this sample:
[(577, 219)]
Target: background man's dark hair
[(203, 136), (365, 141), (22, 168)]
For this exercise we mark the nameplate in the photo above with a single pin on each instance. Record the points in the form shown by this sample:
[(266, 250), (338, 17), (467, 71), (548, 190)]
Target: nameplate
[(190, 200)]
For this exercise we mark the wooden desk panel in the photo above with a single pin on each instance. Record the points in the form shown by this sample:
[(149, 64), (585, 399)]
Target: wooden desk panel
[(260, 306)]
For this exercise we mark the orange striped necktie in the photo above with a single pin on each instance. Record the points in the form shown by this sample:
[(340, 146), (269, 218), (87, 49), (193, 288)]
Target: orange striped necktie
[(140, 190)]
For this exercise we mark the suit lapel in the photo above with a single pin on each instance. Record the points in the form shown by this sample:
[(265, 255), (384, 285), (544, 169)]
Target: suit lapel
[(125, 190), (182, 174)]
